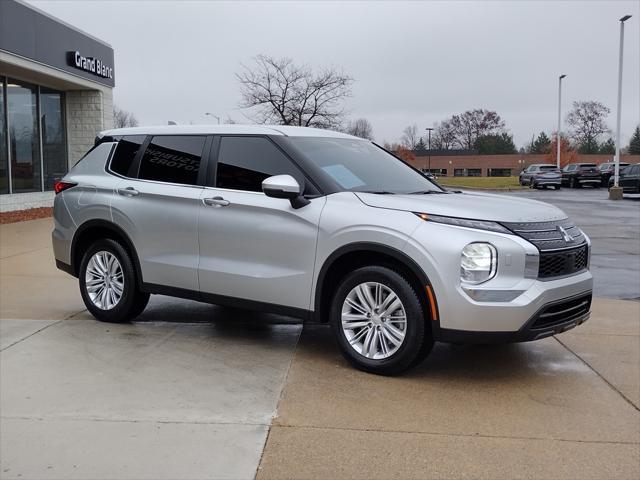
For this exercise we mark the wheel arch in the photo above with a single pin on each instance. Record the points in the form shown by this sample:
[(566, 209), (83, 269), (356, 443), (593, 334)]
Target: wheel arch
[(354, 255), (93, 230)]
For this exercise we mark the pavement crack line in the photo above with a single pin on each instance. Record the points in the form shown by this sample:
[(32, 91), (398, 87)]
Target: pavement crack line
[(613, 387), (471, 435), (284, 385), (31, 334), (134, 420), (24, 253), (54, 322)]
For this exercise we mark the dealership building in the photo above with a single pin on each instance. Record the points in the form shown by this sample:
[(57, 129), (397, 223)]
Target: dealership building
[(56, 85)]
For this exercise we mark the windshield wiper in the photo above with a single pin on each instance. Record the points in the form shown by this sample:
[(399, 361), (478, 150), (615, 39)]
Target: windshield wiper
[(377, 192), (425, 192)]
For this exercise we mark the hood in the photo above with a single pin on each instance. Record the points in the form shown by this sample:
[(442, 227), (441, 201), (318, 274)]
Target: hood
[(472, 205)]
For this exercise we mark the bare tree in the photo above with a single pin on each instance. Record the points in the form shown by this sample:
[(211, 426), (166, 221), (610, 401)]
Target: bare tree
[(470, 125), (587, 122), (289, 94), (360, 127), (444, 137), (410, 137), (122, 118)]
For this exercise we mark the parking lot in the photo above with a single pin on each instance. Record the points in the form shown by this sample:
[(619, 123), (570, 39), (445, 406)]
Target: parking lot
[(197, 391)]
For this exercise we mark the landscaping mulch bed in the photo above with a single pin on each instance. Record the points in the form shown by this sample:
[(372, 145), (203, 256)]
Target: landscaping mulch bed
[(22, 215)]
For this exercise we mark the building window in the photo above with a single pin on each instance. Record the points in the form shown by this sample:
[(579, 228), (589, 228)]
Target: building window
[(54, 152), (4, 157), (24, 140), (33, 144), (467, 172), (499, 172)]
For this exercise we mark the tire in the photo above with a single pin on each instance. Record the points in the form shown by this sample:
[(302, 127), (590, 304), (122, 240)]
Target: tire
[(399, 355), (131, 301)]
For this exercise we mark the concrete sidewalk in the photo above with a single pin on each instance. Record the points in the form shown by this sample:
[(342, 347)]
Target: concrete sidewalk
[(565, 407), (191, 391)]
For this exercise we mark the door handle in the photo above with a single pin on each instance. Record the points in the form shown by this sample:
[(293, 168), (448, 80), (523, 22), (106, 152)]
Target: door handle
[(128, 192), (215, 202)]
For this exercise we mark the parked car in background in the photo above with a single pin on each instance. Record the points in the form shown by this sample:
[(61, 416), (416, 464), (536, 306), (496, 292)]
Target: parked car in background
[(541, 175), (607, 170), (575, 175), (629, 179)]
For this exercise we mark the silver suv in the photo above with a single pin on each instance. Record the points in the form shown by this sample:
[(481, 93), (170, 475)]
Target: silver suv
[(318, 225)]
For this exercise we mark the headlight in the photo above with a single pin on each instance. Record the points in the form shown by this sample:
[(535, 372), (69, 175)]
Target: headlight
[(479, 263), (465, 222)]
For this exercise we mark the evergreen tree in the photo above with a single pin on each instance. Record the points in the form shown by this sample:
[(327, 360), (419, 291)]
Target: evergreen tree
[(420, 145), (541, 144), (634, 144), (608, 147), (496, 144)]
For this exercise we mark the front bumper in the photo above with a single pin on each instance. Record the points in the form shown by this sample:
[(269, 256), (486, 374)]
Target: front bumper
[(552, 319)]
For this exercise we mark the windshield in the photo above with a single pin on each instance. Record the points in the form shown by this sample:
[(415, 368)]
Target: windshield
[(547, 168), (360, 166)]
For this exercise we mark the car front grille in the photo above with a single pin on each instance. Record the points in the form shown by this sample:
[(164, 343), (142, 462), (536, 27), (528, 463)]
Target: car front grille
[(565, 262), (562, 312), (563, 247)]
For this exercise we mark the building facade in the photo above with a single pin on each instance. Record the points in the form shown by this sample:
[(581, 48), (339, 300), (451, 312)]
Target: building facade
[(474, 165), (56, 87)]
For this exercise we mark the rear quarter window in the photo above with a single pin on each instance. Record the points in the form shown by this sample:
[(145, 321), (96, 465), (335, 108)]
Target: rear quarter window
[(125, 153)]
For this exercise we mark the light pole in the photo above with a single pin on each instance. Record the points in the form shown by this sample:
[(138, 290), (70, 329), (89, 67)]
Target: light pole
[(214, 116), (615, 194), (428, 129), (558, 137)]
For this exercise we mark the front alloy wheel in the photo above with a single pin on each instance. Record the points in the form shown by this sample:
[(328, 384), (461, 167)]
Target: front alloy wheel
[(374, 320), (379, 322)]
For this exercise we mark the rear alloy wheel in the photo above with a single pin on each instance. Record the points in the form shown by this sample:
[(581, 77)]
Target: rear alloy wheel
[(378, 321), (108, 283)]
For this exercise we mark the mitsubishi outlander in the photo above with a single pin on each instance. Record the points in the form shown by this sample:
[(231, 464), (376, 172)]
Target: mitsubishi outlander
[(319, 225)]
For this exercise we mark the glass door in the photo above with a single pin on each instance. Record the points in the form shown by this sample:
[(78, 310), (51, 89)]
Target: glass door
[(24, 141)]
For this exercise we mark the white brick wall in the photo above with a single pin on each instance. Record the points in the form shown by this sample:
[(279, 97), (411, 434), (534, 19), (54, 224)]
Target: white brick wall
[(24, 201), (88, 112)]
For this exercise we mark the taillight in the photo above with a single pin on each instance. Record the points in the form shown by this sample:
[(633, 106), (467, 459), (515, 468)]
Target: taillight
[(62, 186)]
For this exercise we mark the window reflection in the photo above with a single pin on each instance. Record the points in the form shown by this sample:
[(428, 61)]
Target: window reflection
[(23, 137), (54, 153), (4, 159)]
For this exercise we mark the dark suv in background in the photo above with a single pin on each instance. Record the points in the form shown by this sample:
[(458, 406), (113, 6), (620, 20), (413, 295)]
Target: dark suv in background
[(629, 179), (575, 175), (607, 170)]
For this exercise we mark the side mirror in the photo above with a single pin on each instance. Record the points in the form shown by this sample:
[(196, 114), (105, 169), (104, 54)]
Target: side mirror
[(284, 186)]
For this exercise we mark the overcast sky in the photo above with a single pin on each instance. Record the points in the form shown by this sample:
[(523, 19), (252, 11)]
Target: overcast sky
[(413, 62)]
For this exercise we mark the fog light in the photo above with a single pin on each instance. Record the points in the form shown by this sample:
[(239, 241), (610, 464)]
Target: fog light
[(479, 263)]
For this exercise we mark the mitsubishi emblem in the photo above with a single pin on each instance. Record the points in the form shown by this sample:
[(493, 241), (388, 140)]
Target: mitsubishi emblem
[(565, 236)]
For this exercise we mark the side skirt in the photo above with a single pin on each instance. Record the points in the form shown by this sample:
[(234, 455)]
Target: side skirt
[(223, 300)]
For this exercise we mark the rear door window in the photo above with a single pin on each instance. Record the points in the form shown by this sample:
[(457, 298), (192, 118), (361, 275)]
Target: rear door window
[(173, 159), (125, 154)]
